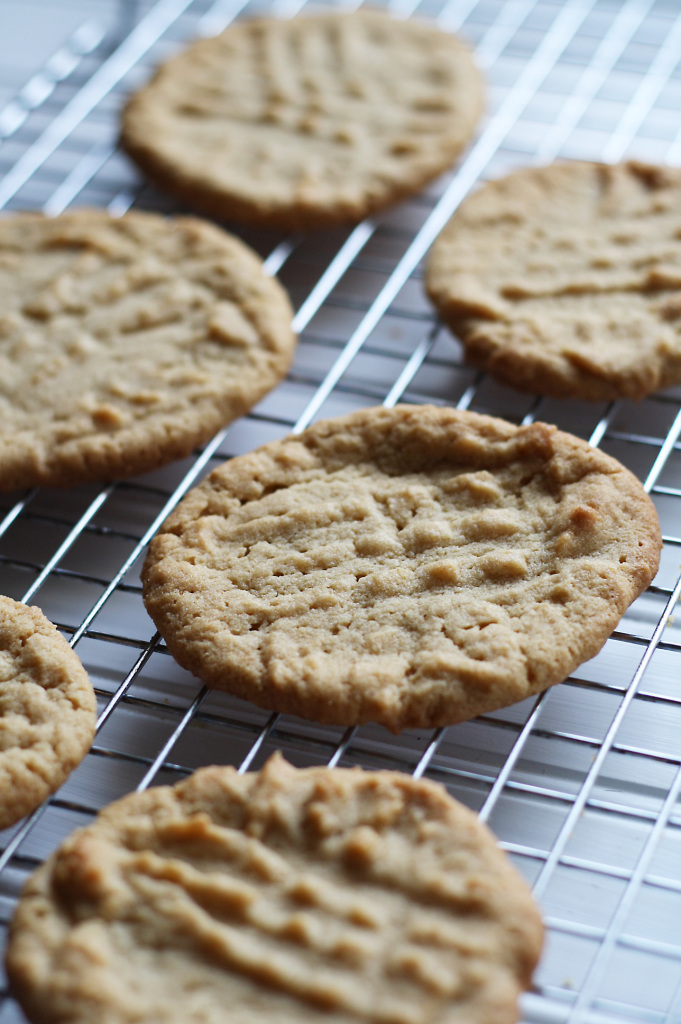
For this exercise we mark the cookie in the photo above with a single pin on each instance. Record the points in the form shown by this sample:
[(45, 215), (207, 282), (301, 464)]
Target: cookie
[(413, 566), (125, 342), (285, 895), (47, 710), (566, 280), (308, 122)]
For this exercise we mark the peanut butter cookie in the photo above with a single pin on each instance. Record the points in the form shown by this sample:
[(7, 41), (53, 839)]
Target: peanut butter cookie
[(47, 710), (413, 566), (566, 280), (307, 122), (286, 895), (125, 342)]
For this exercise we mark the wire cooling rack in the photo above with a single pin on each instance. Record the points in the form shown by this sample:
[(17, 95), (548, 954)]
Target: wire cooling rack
[(582, 785)]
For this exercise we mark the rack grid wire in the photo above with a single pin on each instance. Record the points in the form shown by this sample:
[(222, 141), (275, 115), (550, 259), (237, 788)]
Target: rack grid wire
[(582, 785)]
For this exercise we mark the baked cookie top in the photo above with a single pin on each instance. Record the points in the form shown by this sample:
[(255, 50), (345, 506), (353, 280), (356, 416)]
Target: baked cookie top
[(308, 122), (413, 566), (566, 280), (47, 710), (125, 342), (287, 895)]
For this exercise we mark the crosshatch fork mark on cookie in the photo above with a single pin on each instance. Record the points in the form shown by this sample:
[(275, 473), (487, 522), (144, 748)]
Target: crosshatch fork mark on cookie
[(566, 279), (125, 342), (412, 566), (308, 122), (281, 894)]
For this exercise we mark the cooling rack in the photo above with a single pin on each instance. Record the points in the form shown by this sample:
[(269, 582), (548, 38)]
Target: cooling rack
[(582, 785)]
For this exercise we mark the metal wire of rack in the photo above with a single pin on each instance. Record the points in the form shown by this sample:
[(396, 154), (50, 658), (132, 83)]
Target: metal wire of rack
[(581, 785)]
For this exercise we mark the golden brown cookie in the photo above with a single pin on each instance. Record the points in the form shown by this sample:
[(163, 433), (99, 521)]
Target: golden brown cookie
[(566, 280), (308, 122), (125, 342), (286, 895), (47, 710), (413, 566)]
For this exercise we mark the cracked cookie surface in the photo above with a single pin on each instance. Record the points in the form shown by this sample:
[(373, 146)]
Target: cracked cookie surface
[(47, 710), (125, 342), (284, 895), (306, 122), (413, 566), (566, 280)]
